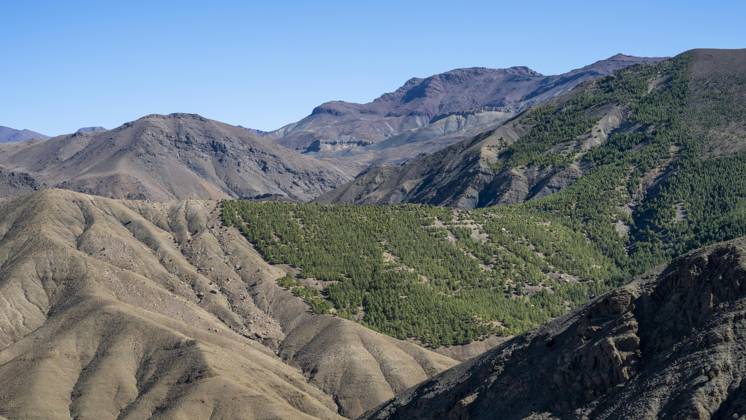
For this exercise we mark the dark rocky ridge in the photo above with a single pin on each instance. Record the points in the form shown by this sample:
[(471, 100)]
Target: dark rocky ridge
[(669, 345), (12, 183)]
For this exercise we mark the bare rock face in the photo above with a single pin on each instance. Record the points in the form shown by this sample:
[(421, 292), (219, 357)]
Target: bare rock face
[(132, 309), (167, 157), (12, 183), (669, 345)]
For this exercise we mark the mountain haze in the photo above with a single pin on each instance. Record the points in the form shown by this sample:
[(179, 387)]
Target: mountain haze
[(9, 135)]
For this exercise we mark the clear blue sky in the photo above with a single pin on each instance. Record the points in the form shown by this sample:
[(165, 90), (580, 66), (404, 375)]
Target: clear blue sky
[(67, 64)]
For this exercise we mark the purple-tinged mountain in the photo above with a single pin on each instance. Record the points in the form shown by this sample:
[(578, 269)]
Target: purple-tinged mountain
[(427, 114), (11, 135)]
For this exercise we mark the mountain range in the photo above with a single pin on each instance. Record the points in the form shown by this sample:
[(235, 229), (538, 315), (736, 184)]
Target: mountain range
[(185, 155), (427, 114), (530, 156), (558, 247)]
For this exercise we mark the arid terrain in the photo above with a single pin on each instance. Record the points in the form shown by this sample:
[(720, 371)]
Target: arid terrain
[(165, 157), (481, 243), (149, 309)]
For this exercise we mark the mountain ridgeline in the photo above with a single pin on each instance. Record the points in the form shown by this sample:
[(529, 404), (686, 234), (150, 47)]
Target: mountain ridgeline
[(607, 204), (177, 156), (545, 149), (668, 345), (167, 157), (654, 154), (427, 114), (11, 135), (591, 226)]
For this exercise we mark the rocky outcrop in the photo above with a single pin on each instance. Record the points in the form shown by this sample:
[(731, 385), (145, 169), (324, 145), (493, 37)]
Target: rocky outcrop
[(12, 183), (89, 130), (668, 345)]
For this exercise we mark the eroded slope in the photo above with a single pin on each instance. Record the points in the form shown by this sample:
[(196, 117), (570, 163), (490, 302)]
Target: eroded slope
[(167, 157), (138, 309)]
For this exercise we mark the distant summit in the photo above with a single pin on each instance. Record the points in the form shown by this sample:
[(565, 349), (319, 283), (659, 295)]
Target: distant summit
[(90, 130), (175, 156), (10, 135), (427, 114)]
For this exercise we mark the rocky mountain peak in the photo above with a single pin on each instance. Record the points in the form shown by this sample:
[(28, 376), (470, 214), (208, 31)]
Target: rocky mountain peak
[(339, 127)]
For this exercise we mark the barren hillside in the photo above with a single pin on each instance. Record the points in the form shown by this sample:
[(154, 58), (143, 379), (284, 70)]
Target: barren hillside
[(166, 157), (131, 309)]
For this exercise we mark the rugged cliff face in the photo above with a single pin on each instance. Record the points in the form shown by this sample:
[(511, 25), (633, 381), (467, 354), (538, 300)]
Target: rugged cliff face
[(668, 345)]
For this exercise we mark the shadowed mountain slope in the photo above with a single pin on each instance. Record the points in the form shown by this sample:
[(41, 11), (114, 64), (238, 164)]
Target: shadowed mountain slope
[(164, 157), (669, 345)]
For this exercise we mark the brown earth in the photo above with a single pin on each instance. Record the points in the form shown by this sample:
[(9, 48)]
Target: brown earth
[(166, 157), (130, 309)]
